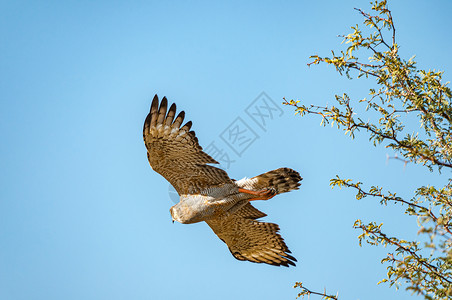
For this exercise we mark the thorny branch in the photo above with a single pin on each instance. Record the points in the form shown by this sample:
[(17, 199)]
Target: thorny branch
[(421, 260), (307, 292), (403, 89)]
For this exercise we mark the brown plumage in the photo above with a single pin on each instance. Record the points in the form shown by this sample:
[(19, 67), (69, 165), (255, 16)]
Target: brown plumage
[(174, 152), (251, 240), (208, 194)]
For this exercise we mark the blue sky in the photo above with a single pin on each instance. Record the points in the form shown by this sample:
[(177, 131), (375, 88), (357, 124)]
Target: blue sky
[(83, 216)]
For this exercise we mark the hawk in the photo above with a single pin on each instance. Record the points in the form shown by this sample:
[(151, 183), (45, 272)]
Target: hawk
[(208, 194)]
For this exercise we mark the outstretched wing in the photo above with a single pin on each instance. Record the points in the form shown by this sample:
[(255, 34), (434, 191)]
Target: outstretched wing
[(252, 240), (174, 152)]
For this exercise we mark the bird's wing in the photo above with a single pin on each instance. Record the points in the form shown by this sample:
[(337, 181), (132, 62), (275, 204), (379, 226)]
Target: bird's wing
[(252, 240), (174, 152)]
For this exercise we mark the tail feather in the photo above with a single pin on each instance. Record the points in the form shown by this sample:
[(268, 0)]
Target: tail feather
[(282, 180)]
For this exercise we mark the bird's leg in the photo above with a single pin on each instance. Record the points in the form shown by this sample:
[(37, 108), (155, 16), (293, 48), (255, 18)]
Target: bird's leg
[(264, 194)]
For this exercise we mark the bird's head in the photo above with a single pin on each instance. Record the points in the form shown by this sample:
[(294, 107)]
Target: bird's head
[(173, 212), (184, 213), (178, 215)]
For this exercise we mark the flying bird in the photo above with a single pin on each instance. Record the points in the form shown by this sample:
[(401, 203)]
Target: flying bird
[(208, 194)]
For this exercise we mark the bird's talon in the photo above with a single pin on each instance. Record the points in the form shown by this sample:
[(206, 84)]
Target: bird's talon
[(265, 194)]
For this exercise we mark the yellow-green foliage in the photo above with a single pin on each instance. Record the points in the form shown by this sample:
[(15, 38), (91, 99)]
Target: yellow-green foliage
[(402, 89)]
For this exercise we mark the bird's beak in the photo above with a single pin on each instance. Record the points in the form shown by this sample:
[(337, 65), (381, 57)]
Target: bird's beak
[(173, 221)]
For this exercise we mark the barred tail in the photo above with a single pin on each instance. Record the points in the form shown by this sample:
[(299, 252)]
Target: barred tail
[(282, 180)]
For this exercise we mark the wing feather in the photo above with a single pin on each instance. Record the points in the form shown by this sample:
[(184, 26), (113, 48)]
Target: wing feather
[(175, 153), (250, 212), (154, 111), (171, 114), (187, 126), (162, 111), (179, 119), (252, 240)]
